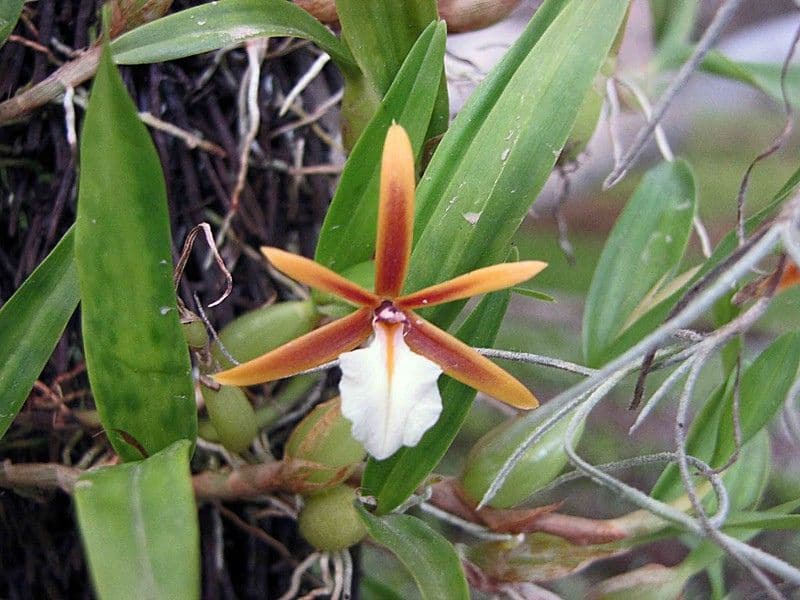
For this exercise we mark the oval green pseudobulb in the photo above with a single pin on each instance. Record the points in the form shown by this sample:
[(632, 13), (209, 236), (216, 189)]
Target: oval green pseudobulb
[(232, 416), (329, 521), (537, 467), (195, 334), (263, 329), (324, 437)]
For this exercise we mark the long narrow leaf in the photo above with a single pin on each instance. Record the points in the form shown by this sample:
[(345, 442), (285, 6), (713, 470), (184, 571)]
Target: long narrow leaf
[(139, 528), (644, 248), (215, 25), (429, 557), (383, 33), (653, 318), (136, 356), (765, 77), (348, 233), (31, 322), (496, 156)]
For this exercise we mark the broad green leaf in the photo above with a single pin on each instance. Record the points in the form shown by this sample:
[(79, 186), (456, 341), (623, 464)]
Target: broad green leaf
[(763, 389), (10, 11), (348, 233), (496, 156), (698, 441), (659, 313), (645, 246), (31, 322), (747, 478), (136, 355), (139, 527), (215, 25), (393, 480), (380, 35), (428, 556)]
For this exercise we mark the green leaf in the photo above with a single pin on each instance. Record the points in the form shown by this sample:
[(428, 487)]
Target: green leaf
[(501, 148), (673, 22), (381, 34), (747, 478), (743, 526), (10, 10), (393, 480), (216, 25), (653, 318), (428, 556), (644, 248), (698, 441), (765, 77), (763, 389), (136, 355), (139, 527), (31, 322), (535, 294), (762, 521), (348, 233), (777, 517)]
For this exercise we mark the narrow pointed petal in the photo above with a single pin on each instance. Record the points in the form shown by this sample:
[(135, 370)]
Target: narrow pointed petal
[(389, 393), (306, 352), (395, 214), (318, 277), (461, 362), (488, 279)]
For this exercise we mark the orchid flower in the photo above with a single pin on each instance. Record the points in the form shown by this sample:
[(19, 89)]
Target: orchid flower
[(389, 389)]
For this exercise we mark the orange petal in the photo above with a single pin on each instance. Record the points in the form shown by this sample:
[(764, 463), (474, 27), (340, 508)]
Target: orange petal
[(488, 279), (306, 352), (790, 277), (395, 214), (461, 362), (318, 277)]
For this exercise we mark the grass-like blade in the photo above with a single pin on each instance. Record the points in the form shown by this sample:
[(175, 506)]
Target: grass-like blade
[(348, 233), (31, 322)]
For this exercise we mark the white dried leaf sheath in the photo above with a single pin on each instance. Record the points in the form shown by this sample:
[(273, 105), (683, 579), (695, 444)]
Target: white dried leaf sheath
[(389, 393)]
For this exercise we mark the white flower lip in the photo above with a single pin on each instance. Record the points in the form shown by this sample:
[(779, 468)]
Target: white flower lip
[(389, 393)]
